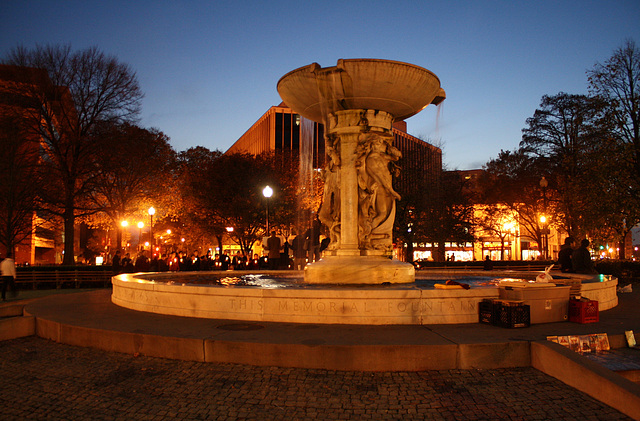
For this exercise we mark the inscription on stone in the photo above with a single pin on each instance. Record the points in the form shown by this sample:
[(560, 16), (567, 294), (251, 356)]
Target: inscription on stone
[(244, 304), (429, 306)]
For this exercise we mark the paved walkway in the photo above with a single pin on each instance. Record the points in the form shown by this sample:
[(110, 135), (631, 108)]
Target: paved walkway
[(46, 380), (40, 379)]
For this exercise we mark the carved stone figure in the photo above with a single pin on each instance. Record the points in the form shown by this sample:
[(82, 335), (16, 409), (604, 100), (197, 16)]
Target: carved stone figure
[(376, 194)]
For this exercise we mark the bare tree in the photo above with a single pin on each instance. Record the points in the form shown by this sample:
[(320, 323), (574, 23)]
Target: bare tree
[(618, 81), (86, 87)]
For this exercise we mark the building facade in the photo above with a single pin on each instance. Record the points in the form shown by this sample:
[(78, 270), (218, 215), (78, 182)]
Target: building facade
[(280, 130), (39, 241)]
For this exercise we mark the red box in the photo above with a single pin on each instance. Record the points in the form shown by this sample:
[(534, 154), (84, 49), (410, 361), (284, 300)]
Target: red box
[(583, 311)]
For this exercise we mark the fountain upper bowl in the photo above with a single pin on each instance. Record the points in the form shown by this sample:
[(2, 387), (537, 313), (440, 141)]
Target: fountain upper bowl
[(401, 89)]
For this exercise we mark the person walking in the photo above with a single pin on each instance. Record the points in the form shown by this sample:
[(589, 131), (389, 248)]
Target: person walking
[(8, 270)]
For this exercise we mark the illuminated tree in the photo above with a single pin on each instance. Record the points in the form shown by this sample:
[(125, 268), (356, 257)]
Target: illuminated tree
[(444, 213), (195, 165), (512, 182), (567, 132), (134, 170), (617, 81)]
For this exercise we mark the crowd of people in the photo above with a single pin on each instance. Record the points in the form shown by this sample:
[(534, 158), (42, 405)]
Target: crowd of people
[(280, 253), (181, 261)]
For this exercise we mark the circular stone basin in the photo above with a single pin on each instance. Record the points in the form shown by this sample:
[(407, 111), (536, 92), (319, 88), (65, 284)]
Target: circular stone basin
[(401, 89), (174, 294), (287, 279)]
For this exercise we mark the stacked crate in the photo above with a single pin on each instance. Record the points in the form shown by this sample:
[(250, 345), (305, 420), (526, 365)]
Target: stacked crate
[(504, 313)]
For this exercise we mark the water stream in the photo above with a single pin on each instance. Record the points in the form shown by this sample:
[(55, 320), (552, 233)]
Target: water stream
[(305, 176)]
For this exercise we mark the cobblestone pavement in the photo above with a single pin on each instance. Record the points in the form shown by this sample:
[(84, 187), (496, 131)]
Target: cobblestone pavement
[(41, 379)]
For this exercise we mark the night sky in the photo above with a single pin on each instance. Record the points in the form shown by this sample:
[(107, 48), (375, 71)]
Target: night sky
[(209, 68)]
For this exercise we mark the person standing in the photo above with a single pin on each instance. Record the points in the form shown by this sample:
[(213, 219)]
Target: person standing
[(174, 265), (488, 263), (299, 253), (564, 255), (313, 240), (115, 263), (273, 245), (8, 270), (581, 259)]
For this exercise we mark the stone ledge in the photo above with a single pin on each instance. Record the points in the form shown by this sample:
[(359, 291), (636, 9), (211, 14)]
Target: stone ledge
[(12, 310), (587, 376), (17, 327)]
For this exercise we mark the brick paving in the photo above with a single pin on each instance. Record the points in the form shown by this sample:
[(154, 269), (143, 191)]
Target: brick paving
[(40, 379)]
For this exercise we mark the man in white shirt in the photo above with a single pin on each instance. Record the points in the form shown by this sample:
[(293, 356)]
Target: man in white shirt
[(8, 270)]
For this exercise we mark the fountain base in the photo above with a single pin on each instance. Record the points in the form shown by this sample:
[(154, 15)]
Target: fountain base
[(174, 294), (353, 270)]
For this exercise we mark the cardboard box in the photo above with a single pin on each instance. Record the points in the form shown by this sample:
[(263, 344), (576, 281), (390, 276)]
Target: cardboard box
[(547, 304)]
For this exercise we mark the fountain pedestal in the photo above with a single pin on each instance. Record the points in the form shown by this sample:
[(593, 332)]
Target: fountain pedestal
[(358, 101), (360, 253), (358, 270)]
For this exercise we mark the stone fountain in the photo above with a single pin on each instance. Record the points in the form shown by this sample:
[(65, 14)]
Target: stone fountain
[(358, 100)]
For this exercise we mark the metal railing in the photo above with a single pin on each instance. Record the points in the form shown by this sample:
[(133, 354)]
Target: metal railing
[(532, 267), (41, 279)]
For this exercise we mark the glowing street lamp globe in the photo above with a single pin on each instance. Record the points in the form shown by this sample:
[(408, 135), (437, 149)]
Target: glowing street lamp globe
[(267, 192)]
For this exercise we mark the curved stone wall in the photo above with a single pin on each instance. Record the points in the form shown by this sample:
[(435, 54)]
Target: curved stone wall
[(365, 305), (604, 292)]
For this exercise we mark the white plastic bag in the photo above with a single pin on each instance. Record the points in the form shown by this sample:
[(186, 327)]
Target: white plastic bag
[(545, 277), (627, 288)]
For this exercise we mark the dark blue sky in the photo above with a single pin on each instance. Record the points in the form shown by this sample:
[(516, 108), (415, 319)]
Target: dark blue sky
[(209, 68)]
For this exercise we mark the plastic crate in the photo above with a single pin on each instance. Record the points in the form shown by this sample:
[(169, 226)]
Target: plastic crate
[(583, 311), (488, 311), (514, 316)]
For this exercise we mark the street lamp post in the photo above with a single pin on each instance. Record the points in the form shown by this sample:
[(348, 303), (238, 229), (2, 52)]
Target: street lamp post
[(140, 226), (543, 219), (152, 212), (124, 224), (267, 192), (545, 240)]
